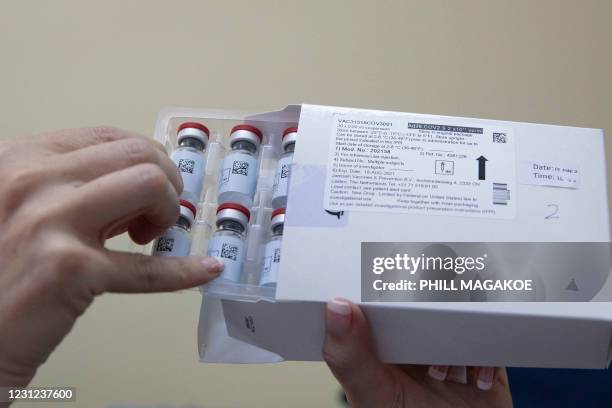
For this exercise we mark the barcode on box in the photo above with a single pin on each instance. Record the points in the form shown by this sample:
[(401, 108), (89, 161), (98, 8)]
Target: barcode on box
[(501, 194), (499, 137)]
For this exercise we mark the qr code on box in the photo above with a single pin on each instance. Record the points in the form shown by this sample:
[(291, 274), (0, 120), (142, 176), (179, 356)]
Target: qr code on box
[(499, 137), (229, 251), (186, 166), (240, 167), (164, 244)]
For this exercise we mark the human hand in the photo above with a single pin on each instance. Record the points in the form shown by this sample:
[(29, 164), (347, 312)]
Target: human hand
[(367, 382), (61, 196)]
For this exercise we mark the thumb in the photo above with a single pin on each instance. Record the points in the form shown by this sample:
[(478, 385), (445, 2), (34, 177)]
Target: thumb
[(129, 272), (349, 352)]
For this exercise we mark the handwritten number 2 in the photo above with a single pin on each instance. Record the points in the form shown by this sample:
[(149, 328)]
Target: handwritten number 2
[(555, 210)]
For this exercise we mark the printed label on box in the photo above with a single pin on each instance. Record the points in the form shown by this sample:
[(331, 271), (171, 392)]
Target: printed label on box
[(421, 166), (543, 173)]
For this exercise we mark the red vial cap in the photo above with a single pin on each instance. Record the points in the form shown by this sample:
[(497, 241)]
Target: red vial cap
[(194, 125), (188, 205), (235, 206), (293, 129), (277, 212), (250, 129)]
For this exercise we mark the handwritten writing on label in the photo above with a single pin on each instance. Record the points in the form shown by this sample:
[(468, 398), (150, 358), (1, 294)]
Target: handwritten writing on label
[(543, 173)]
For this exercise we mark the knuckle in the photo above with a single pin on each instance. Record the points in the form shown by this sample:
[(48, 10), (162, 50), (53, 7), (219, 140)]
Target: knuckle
[(104, 130), (64, 259), (21, 177), (159, 146), (17, 184), (104, 133), (182, 273), (139, 151), (36, 218), (149, 272), (152, 178), (5, 147)]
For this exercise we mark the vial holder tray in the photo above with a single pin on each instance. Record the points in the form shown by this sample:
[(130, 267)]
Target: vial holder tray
[(258, 232)]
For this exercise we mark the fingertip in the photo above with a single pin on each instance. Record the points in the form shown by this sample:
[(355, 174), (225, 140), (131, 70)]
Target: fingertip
[(349, 352), (457, 374), (339, 306), (438, 372), (142, 232), (196, 270), (484, 385), (137, 238), (213, 265), (485, 378), (338, 316)]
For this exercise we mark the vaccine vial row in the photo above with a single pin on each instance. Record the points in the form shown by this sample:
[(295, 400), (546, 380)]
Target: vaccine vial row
[(236, 190), (239, 171), (228, 242)]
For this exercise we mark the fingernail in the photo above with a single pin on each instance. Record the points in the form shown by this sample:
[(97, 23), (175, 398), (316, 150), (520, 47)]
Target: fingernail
[(457, 374), (338, 316), (438, 372), (213, 265), (485, 378)]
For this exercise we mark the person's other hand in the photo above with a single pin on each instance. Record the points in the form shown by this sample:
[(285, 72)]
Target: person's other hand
[(367, 382), (61, 196)]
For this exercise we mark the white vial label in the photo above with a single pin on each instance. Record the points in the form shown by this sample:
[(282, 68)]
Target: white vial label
[(174, 242), (271, 261), (281, 181), (191, 164), (230, 249), (238, 175)]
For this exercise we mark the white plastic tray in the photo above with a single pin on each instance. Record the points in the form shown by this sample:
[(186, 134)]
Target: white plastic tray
[(219, 123)]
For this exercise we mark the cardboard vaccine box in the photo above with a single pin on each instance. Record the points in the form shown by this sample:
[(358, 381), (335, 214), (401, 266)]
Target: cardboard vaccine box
[(372, 176)]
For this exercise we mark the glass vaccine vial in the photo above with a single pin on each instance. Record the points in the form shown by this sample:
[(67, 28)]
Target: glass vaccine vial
[(176, 241), (228, 242), (272, 250), (189, 157), (283, 169), (238, 174)]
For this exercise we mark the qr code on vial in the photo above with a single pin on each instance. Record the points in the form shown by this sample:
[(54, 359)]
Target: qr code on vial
[(186, 166), (240, 167), (499, 137), (229, 251), (164, 244), (284, 171)]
